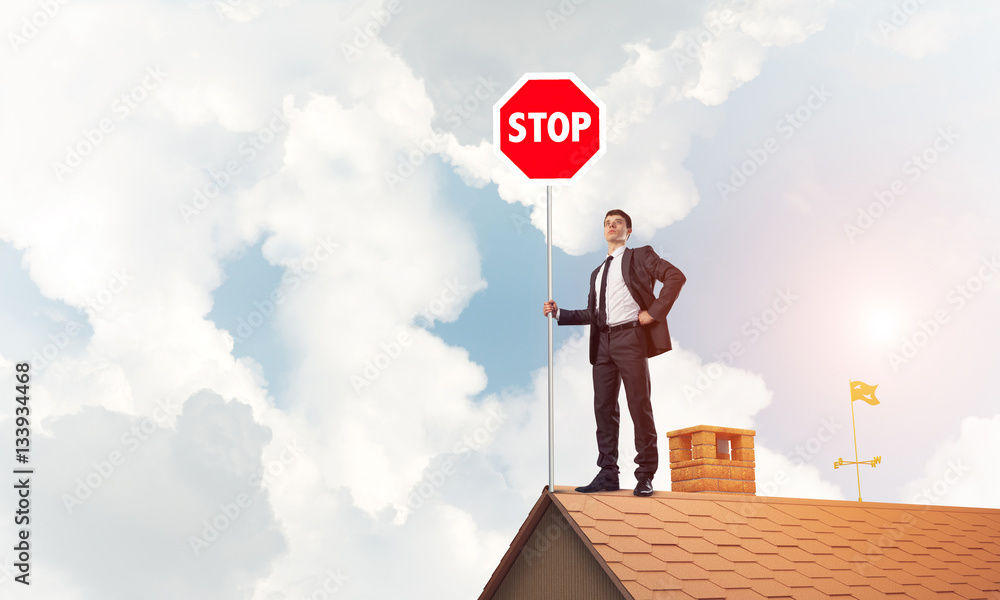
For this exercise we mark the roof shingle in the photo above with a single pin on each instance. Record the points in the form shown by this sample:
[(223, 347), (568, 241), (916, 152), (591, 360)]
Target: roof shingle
[(678, 545)]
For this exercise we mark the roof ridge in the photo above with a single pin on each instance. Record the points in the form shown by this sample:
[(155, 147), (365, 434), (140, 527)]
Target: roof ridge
[(715, 497)]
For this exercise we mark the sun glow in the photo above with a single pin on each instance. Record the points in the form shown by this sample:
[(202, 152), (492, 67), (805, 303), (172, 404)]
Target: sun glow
[(883, 324)]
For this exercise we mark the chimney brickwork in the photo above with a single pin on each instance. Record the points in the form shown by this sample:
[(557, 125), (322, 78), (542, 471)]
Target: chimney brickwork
[(705, 458)]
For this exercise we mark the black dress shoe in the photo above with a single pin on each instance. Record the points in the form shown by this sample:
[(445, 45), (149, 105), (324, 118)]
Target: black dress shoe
[(601, 483), (644, 487)]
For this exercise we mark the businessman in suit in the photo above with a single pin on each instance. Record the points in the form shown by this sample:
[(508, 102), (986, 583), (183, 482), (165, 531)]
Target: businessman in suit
[(628, 325)]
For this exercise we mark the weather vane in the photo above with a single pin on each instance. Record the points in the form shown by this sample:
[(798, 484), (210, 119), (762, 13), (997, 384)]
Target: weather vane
[(860, 391)]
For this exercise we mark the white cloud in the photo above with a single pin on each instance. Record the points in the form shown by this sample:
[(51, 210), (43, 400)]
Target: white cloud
[(168, 506), (730, 45), (315, 186), (961, 471), (792, 477), (650, 124), (730, 61), (399, 260), (782, 22), (925, 33)]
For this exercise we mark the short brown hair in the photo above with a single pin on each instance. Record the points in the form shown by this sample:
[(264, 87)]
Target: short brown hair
[(621, 213)]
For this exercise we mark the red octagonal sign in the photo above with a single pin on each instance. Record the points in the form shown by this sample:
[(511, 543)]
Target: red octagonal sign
[(549, 126)]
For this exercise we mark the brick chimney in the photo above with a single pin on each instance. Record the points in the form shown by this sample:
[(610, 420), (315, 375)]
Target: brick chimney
[(705, 458)]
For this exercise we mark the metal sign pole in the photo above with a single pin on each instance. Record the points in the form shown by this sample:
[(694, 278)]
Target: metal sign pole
[(548, 244), (548, 159), (857, 466)]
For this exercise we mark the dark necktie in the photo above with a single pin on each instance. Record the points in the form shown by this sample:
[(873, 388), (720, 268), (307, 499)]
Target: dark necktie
[(602, 303)]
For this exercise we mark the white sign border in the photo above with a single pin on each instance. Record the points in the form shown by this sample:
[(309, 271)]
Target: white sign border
[(602, 127)]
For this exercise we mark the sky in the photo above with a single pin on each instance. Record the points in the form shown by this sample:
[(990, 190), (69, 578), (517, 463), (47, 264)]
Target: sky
[(281, 302)]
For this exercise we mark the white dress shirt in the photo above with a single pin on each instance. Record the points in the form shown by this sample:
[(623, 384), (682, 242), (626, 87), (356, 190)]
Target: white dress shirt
[(621, 306)]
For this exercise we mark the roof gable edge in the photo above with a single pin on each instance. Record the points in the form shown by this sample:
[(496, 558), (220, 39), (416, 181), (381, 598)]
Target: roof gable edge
[(517, 544)]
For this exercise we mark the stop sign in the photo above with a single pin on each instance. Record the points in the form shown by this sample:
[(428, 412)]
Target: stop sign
[(549, 126)]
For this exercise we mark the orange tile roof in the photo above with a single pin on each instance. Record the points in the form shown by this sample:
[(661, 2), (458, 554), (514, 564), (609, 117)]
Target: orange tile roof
[(681, 545)]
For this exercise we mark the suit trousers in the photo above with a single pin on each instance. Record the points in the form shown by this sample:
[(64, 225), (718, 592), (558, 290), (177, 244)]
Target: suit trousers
[(621, 358)]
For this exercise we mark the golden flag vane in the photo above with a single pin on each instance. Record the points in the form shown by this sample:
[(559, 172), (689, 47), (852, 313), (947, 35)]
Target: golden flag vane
[(860, 391)]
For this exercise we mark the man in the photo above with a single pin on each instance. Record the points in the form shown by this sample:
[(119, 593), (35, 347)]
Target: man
[(628, 324)]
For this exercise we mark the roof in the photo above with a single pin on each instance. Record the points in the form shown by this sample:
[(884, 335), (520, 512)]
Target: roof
[(682, 545)]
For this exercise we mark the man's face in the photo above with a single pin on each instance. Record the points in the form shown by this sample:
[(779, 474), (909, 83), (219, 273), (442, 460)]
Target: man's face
[(614, 228)]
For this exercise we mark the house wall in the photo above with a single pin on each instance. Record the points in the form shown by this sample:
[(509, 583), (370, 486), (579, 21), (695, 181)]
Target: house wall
[(556, 565)]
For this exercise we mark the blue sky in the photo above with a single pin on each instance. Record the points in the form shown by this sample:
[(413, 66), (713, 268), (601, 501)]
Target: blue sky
[(348, 427)]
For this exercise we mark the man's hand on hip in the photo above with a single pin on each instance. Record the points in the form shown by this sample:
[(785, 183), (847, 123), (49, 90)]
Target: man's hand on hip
[(645, 318)]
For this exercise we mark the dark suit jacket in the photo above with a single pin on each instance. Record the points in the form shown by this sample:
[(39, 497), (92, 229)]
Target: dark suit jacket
[(641, 269)]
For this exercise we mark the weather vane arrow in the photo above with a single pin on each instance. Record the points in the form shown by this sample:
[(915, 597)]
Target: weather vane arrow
[(859, 391)]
